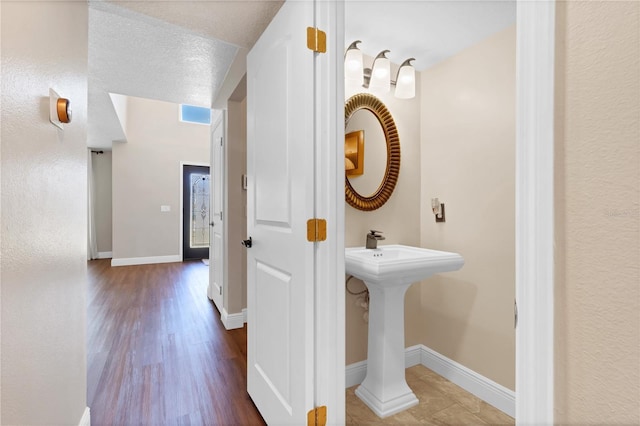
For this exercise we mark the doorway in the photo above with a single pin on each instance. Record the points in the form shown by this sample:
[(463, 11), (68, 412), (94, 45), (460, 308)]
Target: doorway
[(196, 186)]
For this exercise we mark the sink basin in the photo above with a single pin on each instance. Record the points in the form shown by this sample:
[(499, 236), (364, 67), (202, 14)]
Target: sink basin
[(388, 272), (398, 264)]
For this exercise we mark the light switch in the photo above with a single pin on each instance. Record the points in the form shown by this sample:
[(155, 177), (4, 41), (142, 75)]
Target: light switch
[(165, 208)]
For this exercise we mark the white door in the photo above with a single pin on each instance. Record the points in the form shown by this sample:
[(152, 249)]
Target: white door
[(216, 254), (280, 200)]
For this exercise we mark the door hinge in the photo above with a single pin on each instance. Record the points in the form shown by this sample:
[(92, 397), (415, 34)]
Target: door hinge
[(317, 416), (316, 40), (316, 230)]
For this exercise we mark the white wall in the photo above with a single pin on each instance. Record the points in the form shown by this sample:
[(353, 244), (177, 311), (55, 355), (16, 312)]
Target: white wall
[(102, 184), (597, 202), (146, 175), (44, 214), (468, 162)]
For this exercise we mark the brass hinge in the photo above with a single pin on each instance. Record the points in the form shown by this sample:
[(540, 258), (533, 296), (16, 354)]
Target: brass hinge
[(316, 40), (317, 416), (316, 230)]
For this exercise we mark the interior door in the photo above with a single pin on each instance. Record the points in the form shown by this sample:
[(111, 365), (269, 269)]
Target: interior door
[(216, 258), (280, 200)]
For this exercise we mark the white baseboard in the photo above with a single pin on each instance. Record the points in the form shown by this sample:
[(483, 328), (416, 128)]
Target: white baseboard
[(85, 420), (232, 321), (127, 261), (244, 315), (355, 373), (105, 255), (486, 389)]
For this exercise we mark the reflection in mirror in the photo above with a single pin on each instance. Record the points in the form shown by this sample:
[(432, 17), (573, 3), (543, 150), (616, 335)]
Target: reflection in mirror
[(375, 152), (354, 153)]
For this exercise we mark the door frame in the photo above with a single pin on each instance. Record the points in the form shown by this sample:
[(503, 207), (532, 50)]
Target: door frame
[(219, 120), (330, 204), (535, 72), (182, 164)]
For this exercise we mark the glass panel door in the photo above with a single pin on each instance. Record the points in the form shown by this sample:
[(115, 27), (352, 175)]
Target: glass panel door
[(196, 188)]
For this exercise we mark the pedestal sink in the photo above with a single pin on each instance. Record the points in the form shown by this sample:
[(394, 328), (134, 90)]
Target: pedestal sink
[(388, 271)]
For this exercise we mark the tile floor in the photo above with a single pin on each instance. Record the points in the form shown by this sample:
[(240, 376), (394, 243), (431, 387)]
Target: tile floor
[(441, 403)]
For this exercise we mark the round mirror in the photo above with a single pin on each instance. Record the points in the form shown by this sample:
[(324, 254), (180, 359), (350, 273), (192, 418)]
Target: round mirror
[(372, 152)]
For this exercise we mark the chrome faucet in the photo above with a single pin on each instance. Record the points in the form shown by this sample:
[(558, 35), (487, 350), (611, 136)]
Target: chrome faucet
[(372, 239)]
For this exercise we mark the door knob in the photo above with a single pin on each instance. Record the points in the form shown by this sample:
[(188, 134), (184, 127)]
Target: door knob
[(247, 243), (212, 223)]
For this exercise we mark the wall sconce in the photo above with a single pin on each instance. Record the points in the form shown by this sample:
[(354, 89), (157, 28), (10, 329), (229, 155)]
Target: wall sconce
[(378, 77), (59, 109)]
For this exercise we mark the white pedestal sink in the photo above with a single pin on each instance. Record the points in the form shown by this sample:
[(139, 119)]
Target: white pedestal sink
[(388, 271)]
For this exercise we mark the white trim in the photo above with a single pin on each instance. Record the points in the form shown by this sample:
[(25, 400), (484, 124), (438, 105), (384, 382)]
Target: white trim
[(105, 255), (244, 315), (85, 420), (329, 203), (233, 321), (355, 373), (127, 261), (535, 70), (486, 389)]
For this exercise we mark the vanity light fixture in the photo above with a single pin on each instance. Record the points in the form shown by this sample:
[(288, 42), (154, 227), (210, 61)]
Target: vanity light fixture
[(406, 80), (353, 64), (378, 77)]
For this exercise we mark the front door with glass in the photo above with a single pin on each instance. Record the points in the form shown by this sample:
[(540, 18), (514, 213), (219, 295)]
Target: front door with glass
[(195, 204)]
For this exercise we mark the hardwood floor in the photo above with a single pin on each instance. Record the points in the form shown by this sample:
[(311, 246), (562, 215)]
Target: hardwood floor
[(157, 351)]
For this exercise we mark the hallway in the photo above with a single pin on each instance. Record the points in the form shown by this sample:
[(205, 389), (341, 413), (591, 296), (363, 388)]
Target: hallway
[(157, 352)]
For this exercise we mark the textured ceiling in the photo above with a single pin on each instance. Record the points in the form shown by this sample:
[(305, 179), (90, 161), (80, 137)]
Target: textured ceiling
[(134, 54), (238, 22), (429, 31)]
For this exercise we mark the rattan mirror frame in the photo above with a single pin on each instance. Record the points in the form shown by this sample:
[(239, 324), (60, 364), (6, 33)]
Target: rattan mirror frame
[(388, 184)]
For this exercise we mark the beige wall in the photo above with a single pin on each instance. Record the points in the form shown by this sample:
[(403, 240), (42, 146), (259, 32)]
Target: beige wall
[(102, 184), (398, 218), (235, 298), (468, 162), (44, 214), (146, 175), (598, 215)]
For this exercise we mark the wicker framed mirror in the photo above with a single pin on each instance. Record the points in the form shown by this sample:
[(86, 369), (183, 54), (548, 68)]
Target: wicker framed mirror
[(369, 202)]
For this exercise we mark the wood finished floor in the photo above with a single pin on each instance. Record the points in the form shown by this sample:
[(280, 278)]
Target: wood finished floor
[(157, 351)]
